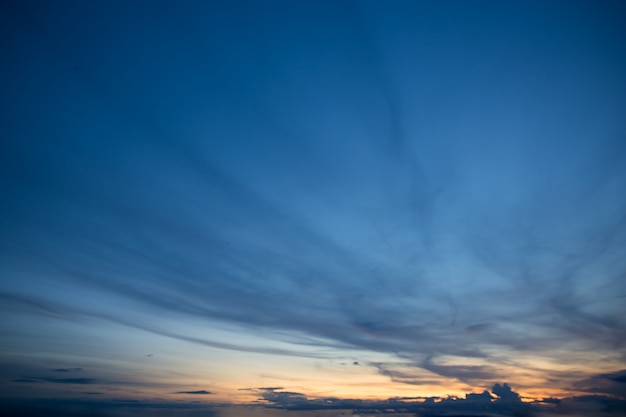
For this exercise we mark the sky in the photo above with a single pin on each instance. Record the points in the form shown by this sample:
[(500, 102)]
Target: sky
[(313, 208)]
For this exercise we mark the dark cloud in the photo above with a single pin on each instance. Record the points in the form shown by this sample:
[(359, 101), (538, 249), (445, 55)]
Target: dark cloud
[(618, 376), (37, 407), (611, 384), (505, 393), (482, 397), (473, 404), (550, 400), (591, 405), (199, 392), (261, 389), (70, 380), (43, 381), (286, 399), (67, 369), (505, 403), (79, 381)]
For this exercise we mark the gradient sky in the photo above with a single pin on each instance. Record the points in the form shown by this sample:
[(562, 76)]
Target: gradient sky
[(281, 202)]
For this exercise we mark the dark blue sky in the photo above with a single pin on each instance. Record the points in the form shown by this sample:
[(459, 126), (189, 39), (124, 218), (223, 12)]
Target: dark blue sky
[(359, 199)]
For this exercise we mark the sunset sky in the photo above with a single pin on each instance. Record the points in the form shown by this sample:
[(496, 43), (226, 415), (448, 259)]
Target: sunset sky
[(307, 208)]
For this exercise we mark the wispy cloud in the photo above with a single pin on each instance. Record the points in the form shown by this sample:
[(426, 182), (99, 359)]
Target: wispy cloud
[(354, 187)]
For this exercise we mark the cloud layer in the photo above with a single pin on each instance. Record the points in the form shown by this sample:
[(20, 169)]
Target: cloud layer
[(438, 187)]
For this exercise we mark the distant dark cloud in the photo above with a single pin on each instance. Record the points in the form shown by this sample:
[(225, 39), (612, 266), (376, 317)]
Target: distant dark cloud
[(79, 381), (550, 400), (37, 407), (506, 404), (617, 376), (261, 389), (70, 380), (286, 399), (591, 405), (505, 393), (610, 384), (199, 392), (482, 397), (474, 405), (67, 369)]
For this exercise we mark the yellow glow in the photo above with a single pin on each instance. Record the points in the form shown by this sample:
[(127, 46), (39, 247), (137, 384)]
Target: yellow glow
[(159, 371)]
